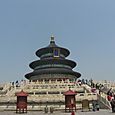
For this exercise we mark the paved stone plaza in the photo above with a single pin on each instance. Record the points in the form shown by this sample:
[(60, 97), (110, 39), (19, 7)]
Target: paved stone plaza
[(101, 112)]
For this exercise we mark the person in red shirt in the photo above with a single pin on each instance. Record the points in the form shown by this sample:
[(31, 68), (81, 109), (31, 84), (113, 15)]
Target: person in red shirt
[(72, 113), (109, 97)]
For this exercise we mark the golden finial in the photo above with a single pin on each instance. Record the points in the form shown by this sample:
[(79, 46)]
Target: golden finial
[(52, 38)]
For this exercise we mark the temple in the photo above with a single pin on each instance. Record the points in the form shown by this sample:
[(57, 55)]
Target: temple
[(52, 65), (50, 84)]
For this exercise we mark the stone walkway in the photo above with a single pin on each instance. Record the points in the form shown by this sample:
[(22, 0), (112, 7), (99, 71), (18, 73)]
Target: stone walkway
[(101, 112)]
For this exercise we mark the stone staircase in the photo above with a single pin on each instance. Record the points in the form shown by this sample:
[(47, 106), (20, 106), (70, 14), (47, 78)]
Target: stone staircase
[(8, 100), (101, 97)]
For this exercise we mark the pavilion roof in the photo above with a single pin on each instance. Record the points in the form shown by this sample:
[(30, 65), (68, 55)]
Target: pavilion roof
[(21, 93), (70, 92)]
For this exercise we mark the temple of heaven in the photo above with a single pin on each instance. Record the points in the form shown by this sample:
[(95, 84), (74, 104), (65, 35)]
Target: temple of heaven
[(52, 64)]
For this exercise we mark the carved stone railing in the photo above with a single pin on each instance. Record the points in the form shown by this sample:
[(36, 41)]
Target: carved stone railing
[(103, 100)]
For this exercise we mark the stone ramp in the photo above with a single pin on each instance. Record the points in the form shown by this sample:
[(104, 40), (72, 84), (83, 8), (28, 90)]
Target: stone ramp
[(101, 112)]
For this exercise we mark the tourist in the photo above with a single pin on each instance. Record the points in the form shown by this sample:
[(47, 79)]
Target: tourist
[(109, 97), (97, 106), (72, 113), (113, 105), (93, 105)]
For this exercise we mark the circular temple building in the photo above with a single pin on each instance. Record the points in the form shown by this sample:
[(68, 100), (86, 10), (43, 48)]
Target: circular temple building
[(52, 64)]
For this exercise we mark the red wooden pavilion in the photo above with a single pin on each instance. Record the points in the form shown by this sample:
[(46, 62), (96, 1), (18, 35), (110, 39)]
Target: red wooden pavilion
[(70, 101), (21, 105)]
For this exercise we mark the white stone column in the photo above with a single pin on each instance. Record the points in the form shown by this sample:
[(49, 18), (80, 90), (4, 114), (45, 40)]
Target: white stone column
[(49, 80)]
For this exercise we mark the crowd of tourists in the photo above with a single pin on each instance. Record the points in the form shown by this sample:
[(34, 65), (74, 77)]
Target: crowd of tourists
[(111, 99), (110, 93)]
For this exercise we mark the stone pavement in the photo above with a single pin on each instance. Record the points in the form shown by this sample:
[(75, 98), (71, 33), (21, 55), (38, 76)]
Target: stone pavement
[(101, 112)]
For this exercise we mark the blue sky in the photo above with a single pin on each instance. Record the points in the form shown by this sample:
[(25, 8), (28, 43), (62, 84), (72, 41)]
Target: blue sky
[(85, 27)]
